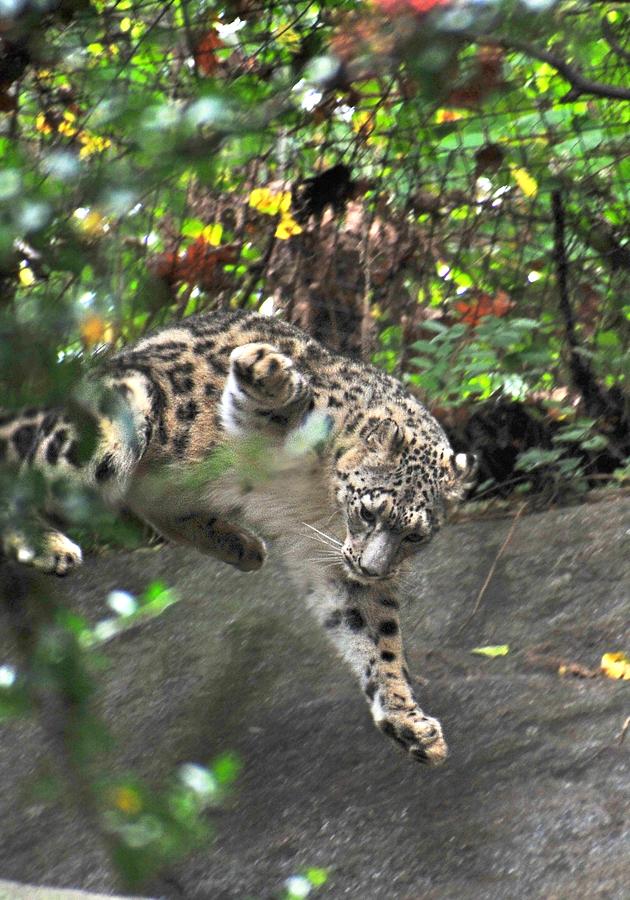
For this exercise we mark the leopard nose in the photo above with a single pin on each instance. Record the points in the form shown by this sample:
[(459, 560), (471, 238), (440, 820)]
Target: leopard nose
[(378, 554), (371, 570)]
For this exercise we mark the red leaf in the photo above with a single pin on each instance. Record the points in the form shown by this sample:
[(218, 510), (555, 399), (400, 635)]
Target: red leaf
[(196, 264), (165, 266), (418, 6)]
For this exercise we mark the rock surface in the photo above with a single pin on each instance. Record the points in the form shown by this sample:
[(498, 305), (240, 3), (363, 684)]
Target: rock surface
[(530, 805), (11, 890)]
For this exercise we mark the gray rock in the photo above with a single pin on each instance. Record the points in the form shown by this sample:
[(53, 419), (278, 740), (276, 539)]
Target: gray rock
[(530, 804), (11, 890)]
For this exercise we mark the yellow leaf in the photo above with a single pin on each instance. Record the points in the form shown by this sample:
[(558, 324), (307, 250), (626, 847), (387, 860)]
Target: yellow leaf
[(616, 665), (26, 275), (92, 143), (448, 115), (270, 202), (525, 181), (258, 197), (287, 227), (212, 234), (284, 201), (42, 125), (265, 201), (496, 650), (288, 37), (363, 123), (90, 221), (67, 128)]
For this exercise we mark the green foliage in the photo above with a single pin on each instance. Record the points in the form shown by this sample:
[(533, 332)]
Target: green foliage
[(145, 830), (129, 611), (300, 886), (460, 364)]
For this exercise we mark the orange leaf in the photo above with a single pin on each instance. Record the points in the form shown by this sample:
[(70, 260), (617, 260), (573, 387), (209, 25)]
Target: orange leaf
[(484, 305), (95, 330), (195, 265), (200, 261), (205, 52)]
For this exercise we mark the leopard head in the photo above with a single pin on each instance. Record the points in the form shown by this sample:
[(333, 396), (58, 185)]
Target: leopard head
[(393, 481)]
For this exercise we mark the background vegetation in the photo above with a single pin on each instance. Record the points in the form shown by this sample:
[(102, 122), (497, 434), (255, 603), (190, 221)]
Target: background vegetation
[(441, 188)]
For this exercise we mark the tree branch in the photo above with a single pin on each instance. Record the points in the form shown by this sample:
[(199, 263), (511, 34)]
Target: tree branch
[(612, 41), (579, 84)]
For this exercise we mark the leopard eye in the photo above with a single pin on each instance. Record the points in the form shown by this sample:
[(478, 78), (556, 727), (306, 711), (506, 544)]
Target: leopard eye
[(416, 538), (366, 514)]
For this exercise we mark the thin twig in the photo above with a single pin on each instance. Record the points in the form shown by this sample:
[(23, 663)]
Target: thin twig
[(583, 378), (493, 567), (258, 270)]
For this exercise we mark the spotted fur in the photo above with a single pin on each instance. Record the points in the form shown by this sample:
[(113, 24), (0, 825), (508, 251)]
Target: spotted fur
[(347, 506)]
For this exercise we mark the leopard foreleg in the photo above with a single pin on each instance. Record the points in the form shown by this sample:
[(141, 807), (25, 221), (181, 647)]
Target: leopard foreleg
[(363, 623), (213, 535)]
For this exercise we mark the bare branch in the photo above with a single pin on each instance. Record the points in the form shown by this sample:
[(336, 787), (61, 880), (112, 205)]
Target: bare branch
[(579, 83)]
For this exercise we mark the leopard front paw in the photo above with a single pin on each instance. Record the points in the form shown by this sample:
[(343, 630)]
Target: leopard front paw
[(251, 554), (420, 735), (266, 375), (54, 554), (240, 549)]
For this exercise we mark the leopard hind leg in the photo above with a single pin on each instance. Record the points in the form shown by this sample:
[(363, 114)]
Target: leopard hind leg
[(264, 391), (49, 440)]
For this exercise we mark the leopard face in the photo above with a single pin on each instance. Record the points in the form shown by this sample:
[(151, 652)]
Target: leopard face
[(393, 488)]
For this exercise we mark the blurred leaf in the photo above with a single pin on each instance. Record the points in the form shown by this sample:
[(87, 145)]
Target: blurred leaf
[(492, 651), (616, 665), (525, 181)]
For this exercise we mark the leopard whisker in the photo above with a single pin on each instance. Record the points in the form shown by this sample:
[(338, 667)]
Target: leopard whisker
[(327, 565), (321, 542), (332, 558), (332, 540), (327, 550)]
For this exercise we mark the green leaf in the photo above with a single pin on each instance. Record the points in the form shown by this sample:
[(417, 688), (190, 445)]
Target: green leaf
[(226, 768), (535, 458), (317, 877)]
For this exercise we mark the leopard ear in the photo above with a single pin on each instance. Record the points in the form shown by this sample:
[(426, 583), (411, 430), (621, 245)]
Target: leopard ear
[(464, 468), (387, 436)]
